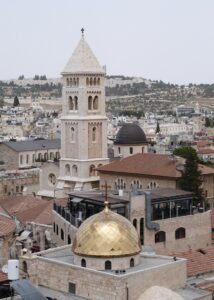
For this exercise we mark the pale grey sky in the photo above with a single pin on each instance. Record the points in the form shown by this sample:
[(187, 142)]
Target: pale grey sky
[(169, 40)]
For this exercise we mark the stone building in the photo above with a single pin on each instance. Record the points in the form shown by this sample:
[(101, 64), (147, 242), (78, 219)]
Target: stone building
[(26, 154), (149, 170), (163, 217), (130, 140), (105, 262)]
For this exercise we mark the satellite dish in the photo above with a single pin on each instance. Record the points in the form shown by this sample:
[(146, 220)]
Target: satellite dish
[(5, 269)]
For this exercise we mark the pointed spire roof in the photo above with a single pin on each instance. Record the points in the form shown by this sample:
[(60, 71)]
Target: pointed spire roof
[(83, 60)]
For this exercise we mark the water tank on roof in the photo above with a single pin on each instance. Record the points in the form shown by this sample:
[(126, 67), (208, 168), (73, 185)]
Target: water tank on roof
[(13, 269)]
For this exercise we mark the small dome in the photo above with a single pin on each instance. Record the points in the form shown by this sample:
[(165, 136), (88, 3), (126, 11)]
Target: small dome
[(160, 292), (106, 234), (130, 133)]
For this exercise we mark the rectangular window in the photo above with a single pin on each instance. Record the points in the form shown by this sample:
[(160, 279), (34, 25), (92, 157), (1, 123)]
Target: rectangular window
[(33, 158), (5, 189), (21, 159), (72, 288), (27, 159), (17, 189)]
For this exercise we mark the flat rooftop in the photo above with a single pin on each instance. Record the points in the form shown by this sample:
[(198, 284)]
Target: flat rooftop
[(65, 255)]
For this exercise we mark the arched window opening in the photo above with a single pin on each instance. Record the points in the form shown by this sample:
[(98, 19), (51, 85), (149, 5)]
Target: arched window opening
[(142, 149), (69, 239), (108, 265), (87, 81), (62, 234), (94, 134), (52, 179), (118, 150), (95, 103), (83, 263), (98, 81), (180, 233), (21, 159), (39, 156), (74, 81), (71, 103), (72, 134), (90, 103), (51, 156), (142, 231), (91, 81), (54, 227), (67, 170), (67, 81), (92, 170), (135, 223), (76, 103), (131, 262), (131, 150), (57, 229), (160, 237), (77, 81), (24, 267), (46, 156), (71, 83), (94, 80), (74, 170)]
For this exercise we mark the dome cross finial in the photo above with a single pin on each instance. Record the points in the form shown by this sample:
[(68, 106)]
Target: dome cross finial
[(82, 30), (106, 203)]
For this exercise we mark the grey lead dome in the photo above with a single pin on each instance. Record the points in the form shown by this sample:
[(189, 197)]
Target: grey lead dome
[(130, 134)]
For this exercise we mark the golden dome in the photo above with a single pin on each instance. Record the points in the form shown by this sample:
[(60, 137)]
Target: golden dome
[(106, 234)]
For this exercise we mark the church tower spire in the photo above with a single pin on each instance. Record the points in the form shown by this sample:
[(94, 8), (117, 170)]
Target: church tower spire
[(84, 122)]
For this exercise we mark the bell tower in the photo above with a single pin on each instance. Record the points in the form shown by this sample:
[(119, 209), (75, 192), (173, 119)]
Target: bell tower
[(84, 122)]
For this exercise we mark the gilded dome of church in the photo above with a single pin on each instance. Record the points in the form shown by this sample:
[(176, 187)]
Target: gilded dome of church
[(106, 234), (130, 134)]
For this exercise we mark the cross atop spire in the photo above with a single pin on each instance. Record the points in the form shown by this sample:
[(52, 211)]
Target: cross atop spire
[(106, 203), (82, 30)]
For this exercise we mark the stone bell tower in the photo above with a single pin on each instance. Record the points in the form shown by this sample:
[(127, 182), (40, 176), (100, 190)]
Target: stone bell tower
[(84, 122)]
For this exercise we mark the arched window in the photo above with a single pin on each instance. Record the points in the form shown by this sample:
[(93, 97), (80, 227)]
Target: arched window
[(67, 82), (135, 223), (67, 170), (160, 237), (70, 103), (119, 150), (51, 156), (54, 227), (92, 170), (46, 156), (77, 81), (94, 80), (87, 81), (62, 234), (27, 158), (52, 179), (21, 159), (69, 239), (131, 150), (71, 83), (76, 103), (91, 81), (57, 229), (131, 262), (90, 103), (24, 267), (95, 103), (83, 263), (74, 170), (98, 81), (39, 156), (94, 134), (180, 233), (72, 134), (108, 265)]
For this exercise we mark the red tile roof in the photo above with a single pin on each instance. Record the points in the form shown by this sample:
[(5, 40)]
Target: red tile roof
[(3, 277), (206, 151), (7, 225), (150, 164), (199, 261)]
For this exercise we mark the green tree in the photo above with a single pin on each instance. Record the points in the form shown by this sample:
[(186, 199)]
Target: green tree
[(157, 128), (16, 101), (191, 179)]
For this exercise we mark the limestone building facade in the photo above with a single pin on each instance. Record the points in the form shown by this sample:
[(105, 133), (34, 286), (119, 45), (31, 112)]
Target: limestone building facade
[(84, 122)]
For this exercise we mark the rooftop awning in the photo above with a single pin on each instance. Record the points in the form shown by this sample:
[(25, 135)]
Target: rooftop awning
[(76, 200)]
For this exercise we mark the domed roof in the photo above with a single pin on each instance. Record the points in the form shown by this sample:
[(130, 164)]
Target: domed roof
[(130, 133), (106, 234), (160, 292)]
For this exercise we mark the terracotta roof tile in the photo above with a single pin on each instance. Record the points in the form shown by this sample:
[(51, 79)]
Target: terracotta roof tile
[(3, 277), (206, 151), (7, 226), (150, 164), (199, 261)]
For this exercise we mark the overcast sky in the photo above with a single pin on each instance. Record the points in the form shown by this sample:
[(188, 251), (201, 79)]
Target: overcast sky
[(169, 40)]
